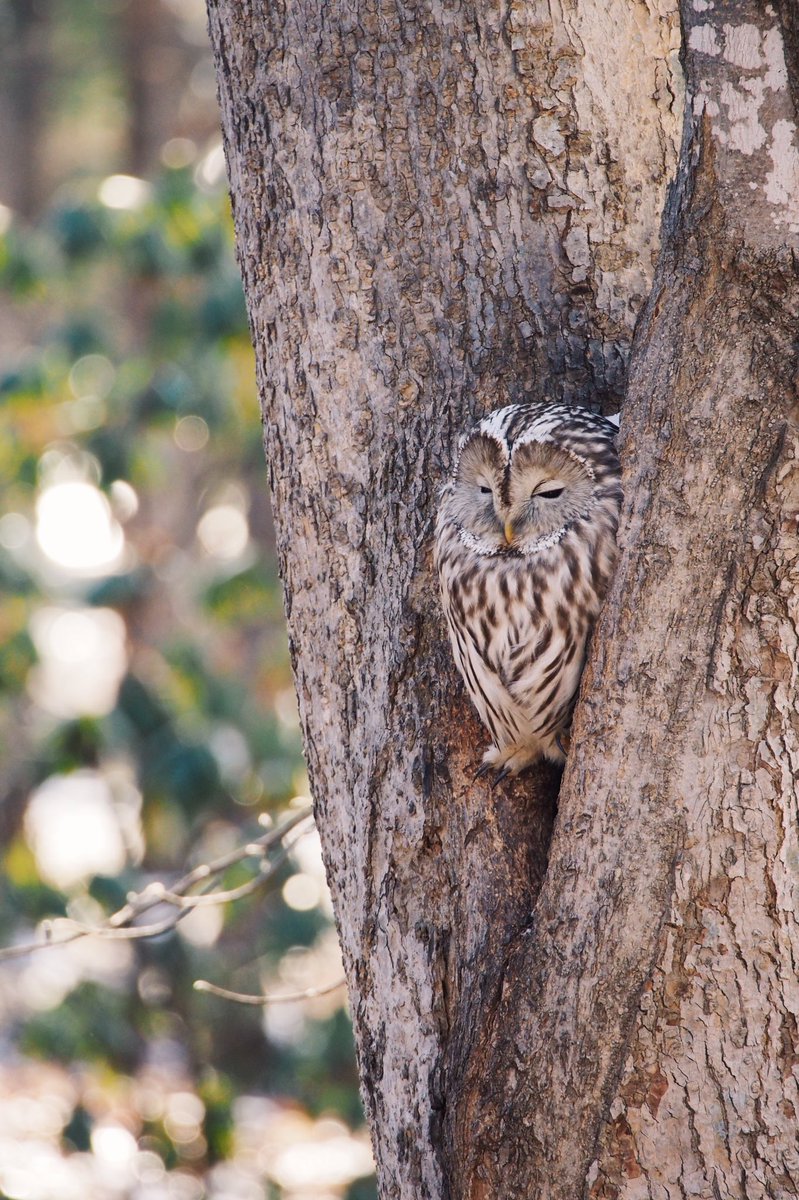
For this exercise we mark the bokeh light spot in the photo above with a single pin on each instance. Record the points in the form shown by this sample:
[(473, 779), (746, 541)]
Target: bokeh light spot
[(302, 892), (85, 413), (184, 1116), (92, 375), (178, 152), (82, 659), (114, 1145), (203, 926), (229, 748), (327, 1157), (211, 169), (191, 433), (76, 529), (14, 531), (123, 191), (125, 500), (73, 829), (223, 531)]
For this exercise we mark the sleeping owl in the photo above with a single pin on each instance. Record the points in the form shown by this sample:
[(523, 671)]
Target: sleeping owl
[(525, 545)]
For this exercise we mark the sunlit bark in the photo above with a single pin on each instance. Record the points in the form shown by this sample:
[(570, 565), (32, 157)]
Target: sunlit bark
[(439, 208)]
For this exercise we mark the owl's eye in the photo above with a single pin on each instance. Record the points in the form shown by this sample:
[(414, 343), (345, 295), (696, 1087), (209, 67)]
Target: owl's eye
[(551, 494), (486, 491)]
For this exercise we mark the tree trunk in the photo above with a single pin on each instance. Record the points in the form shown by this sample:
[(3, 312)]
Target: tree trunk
[(155, 61), (440, 208), (25, 81)]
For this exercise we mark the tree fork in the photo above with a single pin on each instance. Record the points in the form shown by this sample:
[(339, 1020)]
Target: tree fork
[(439, 209)]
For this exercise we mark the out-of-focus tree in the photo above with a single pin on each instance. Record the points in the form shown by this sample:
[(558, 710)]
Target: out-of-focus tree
[(147, 715), (25, 70)]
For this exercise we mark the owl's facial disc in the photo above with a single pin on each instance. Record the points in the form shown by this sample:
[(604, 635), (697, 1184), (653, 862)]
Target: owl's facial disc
[(548, 488), (475, 502)]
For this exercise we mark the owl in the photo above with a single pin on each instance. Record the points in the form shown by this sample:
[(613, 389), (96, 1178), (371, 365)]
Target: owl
[(525, 545)]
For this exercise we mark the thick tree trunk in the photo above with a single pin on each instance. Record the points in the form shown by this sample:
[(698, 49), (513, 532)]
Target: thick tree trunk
[(438, 208)]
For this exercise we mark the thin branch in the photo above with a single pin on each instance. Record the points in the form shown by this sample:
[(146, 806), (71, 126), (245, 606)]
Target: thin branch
[(202, 985), (154, 894), (118, 925), (188, 903)]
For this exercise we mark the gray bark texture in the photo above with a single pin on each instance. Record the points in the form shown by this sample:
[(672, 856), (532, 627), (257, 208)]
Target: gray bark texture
[(441, 207)]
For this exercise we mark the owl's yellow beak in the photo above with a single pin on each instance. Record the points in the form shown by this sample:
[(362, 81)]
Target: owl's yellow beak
[(508, 532)]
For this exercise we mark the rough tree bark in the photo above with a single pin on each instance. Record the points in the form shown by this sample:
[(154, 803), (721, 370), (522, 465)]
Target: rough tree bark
[(440, 207)]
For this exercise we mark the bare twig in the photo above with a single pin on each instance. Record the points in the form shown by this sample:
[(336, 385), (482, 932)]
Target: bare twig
[(202, 985), (119, 924)]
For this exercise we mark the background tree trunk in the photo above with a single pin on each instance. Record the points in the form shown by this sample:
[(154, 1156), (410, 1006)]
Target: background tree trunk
[(440, 208), (156, 57), (25, 81)]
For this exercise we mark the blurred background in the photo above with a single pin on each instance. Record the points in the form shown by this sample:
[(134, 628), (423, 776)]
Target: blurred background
[(147, 716)]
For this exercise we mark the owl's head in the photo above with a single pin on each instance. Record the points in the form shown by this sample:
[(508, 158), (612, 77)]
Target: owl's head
[(511, 493)]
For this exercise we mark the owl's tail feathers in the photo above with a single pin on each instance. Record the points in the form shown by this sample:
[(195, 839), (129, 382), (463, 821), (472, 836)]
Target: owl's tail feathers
[(614, 420)]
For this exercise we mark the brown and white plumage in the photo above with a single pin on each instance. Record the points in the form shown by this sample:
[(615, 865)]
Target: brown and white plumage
[(525, 545)]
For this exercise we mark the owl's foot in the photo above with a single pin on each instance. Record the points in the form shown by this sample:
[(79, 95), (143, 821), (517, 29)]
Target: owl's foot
[(513, 759), (486, 768), (508, 761)]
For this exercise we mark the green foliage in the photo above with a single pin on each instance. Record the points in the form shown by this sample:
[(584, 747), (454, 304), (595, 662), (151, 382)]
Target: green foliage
[(217, 1094), (362, 1189), (76, 1134), (92, 1023), (17, 656), (329, 1042), (249, 595), (22, 893)]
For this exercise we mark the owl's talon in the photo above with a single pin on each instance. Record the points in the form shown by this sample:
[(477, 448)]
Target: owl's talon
[(483, 770), (500, 775), (563, 743)]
